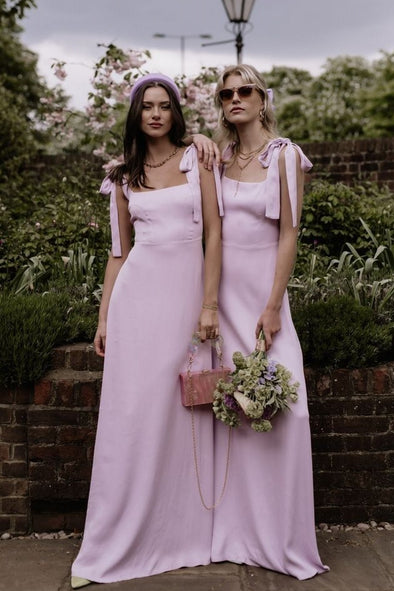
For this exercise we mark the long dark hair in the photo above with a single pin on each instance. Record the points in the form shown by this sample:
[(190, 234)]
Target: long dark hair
[(134, 142)]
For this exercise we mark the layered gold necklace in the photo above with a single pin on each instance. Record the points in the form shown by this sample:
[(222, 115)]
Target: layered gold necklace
[(247, 158)]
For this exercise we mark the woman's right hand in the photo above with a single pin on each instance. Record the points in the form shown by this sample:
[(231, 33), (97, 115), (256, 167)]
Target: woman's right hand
[(100, 338), (208, 151)]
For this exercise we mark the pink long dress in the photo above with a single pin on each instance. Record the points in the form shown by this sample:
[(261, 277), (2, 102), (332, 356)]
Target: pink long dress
[(267, 515), (144, 513)]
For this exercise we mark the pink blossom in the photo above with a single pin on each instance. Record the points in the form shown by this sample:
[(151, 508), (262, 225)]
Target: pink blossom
[(60, 73)]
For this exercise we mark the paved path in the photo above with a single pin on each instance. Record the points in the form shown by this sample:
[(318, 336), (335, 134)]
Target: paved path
[(359, 562)]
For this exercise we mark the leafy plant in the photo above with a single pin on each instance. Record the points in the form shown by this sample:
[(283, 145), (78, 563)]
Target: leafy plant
[(342, 333)]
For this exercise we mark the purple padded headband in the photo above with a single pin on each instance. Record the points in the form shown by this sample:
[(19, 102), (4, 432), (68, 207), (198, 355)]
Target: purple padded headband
[(154, 78)]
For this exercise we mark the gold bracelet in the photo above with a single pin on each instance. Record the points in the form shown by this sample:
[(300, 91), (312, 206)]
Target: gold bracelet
[(213, 307)]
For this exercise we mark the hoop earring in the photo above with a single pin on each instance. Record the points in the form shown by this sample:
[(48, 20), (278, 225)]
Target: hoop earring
[(224, 122), (262, 115)]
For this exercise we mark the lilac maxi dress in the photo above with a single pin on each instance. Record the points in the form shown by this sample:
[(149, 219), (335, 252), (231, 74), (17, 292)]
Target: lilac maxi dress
[(144, 513), (267, 515)]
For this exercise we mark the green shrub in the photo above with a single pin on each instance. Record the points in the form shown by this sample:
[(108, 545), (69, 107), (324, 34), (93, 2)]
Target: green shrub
[(81, 322), (30, 327), (340, 332), (332, 212)]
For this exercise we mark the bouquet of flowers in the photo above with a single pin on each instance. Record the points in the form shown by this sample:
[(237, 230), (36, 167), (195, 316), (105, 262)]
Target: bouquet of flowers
[(258, 387)]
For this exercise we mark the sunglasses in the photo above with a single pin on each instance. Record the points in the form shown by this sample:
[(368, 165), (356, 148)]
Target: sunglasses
[(226, 94)]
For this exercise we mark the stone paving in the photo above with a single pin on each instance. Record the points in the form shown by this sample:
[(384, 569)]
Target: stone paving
[(359, 561)]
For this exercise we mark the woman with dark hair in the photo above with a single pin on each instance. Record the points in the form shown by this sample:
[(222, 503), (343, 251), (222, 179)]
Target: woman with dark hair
[(144, 513), (266, 517)]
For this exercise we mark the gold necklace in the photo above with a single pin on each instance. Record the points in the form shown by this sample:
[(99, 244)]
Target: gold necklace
[(241, 169), (246, 155), (163, 161)]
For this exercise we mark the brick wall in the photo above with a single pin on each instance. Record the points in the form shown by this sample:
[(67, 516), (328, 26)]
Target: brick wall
[(47, 439), (353, 160)]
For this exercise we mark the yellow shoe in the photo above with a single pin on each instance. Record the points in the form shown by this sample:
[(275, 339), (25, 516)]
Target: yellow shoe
[(77, 582)]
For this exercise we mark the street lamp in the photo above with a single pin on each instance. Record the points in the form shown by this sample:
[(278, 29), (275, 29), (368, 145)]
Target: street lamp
[(182, 40), (238, 13)]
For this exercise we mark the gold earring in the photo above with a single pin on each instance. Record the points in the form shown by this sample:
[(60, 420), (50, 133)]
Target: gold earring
[(224, 122), (262, 114)]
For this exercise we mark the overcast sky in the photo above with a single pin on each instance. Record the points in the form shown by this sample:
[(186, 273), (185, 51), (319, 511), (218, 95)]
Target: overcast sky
[(296, 33)]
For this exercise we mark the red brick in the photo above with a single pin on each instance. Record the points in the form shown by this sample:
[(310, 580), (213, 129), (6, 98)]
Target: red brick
[(5, 523), (362, 425), (64, 393), (20, 416), (323, 385), (328, 443), (95, 363), (23, 394), (21, 524), (42, 472), (53, 417), (14, 433), (47, 522), (5, 415), (384, 405), (341, 383), (358, 442), (381, 380), (75, 433), (7, 395), (360, 378), (42, 435), (19, 452), (14, 469), (5, 451), (75, 521), (15, 505), (383, 441), (6, 487), (43, 491), (73, 490), (58, 359), (359, 461), (78, 359), (88, 394), (70, 452), (43, 392), (21, 487), (43, 452), (80, 470)]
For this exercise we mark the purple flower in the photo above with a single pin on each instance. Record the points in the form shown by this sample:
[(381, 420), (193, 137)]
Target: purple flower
[(230, 402)]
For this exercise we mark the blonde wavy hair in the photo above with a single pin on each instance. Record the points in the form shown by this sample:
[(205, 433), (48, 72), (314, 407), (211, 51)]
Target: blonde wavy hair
[(226, 132)]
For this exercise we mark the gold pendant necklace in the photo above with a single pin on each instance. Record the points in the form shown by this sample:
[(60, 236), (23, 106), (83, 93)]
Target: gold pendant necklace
[(163, 161), (247, 155), (241, 169)]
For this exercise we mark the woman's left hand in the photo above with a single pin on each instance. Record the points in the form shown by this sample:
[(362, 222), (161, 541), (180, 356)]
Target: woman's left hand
[(208, 325), (270, 323), (208, 151)]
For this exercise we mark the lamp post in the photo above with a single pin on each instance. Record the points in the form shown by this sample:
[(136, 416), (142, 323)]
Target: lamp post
[(238, 13), (182, 39)]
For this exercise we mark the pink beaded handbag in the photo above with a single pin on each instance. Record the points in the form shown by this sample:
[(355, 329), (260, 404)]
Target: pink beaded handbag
[(197, 387)]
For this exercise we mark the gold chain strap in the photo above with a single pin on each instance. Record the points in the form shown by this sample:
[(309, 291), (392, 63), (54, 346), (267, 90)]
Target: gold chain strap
[(194, 436)]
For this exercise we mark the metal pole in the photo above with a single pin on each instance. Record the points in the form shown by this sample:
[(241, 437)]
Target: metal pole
[(239, 45), (182, 54)]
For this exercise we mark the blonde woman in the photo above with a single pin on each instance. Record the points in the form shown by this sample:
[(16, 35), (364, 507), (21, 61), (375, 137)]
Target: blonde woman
[(267, 515)]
